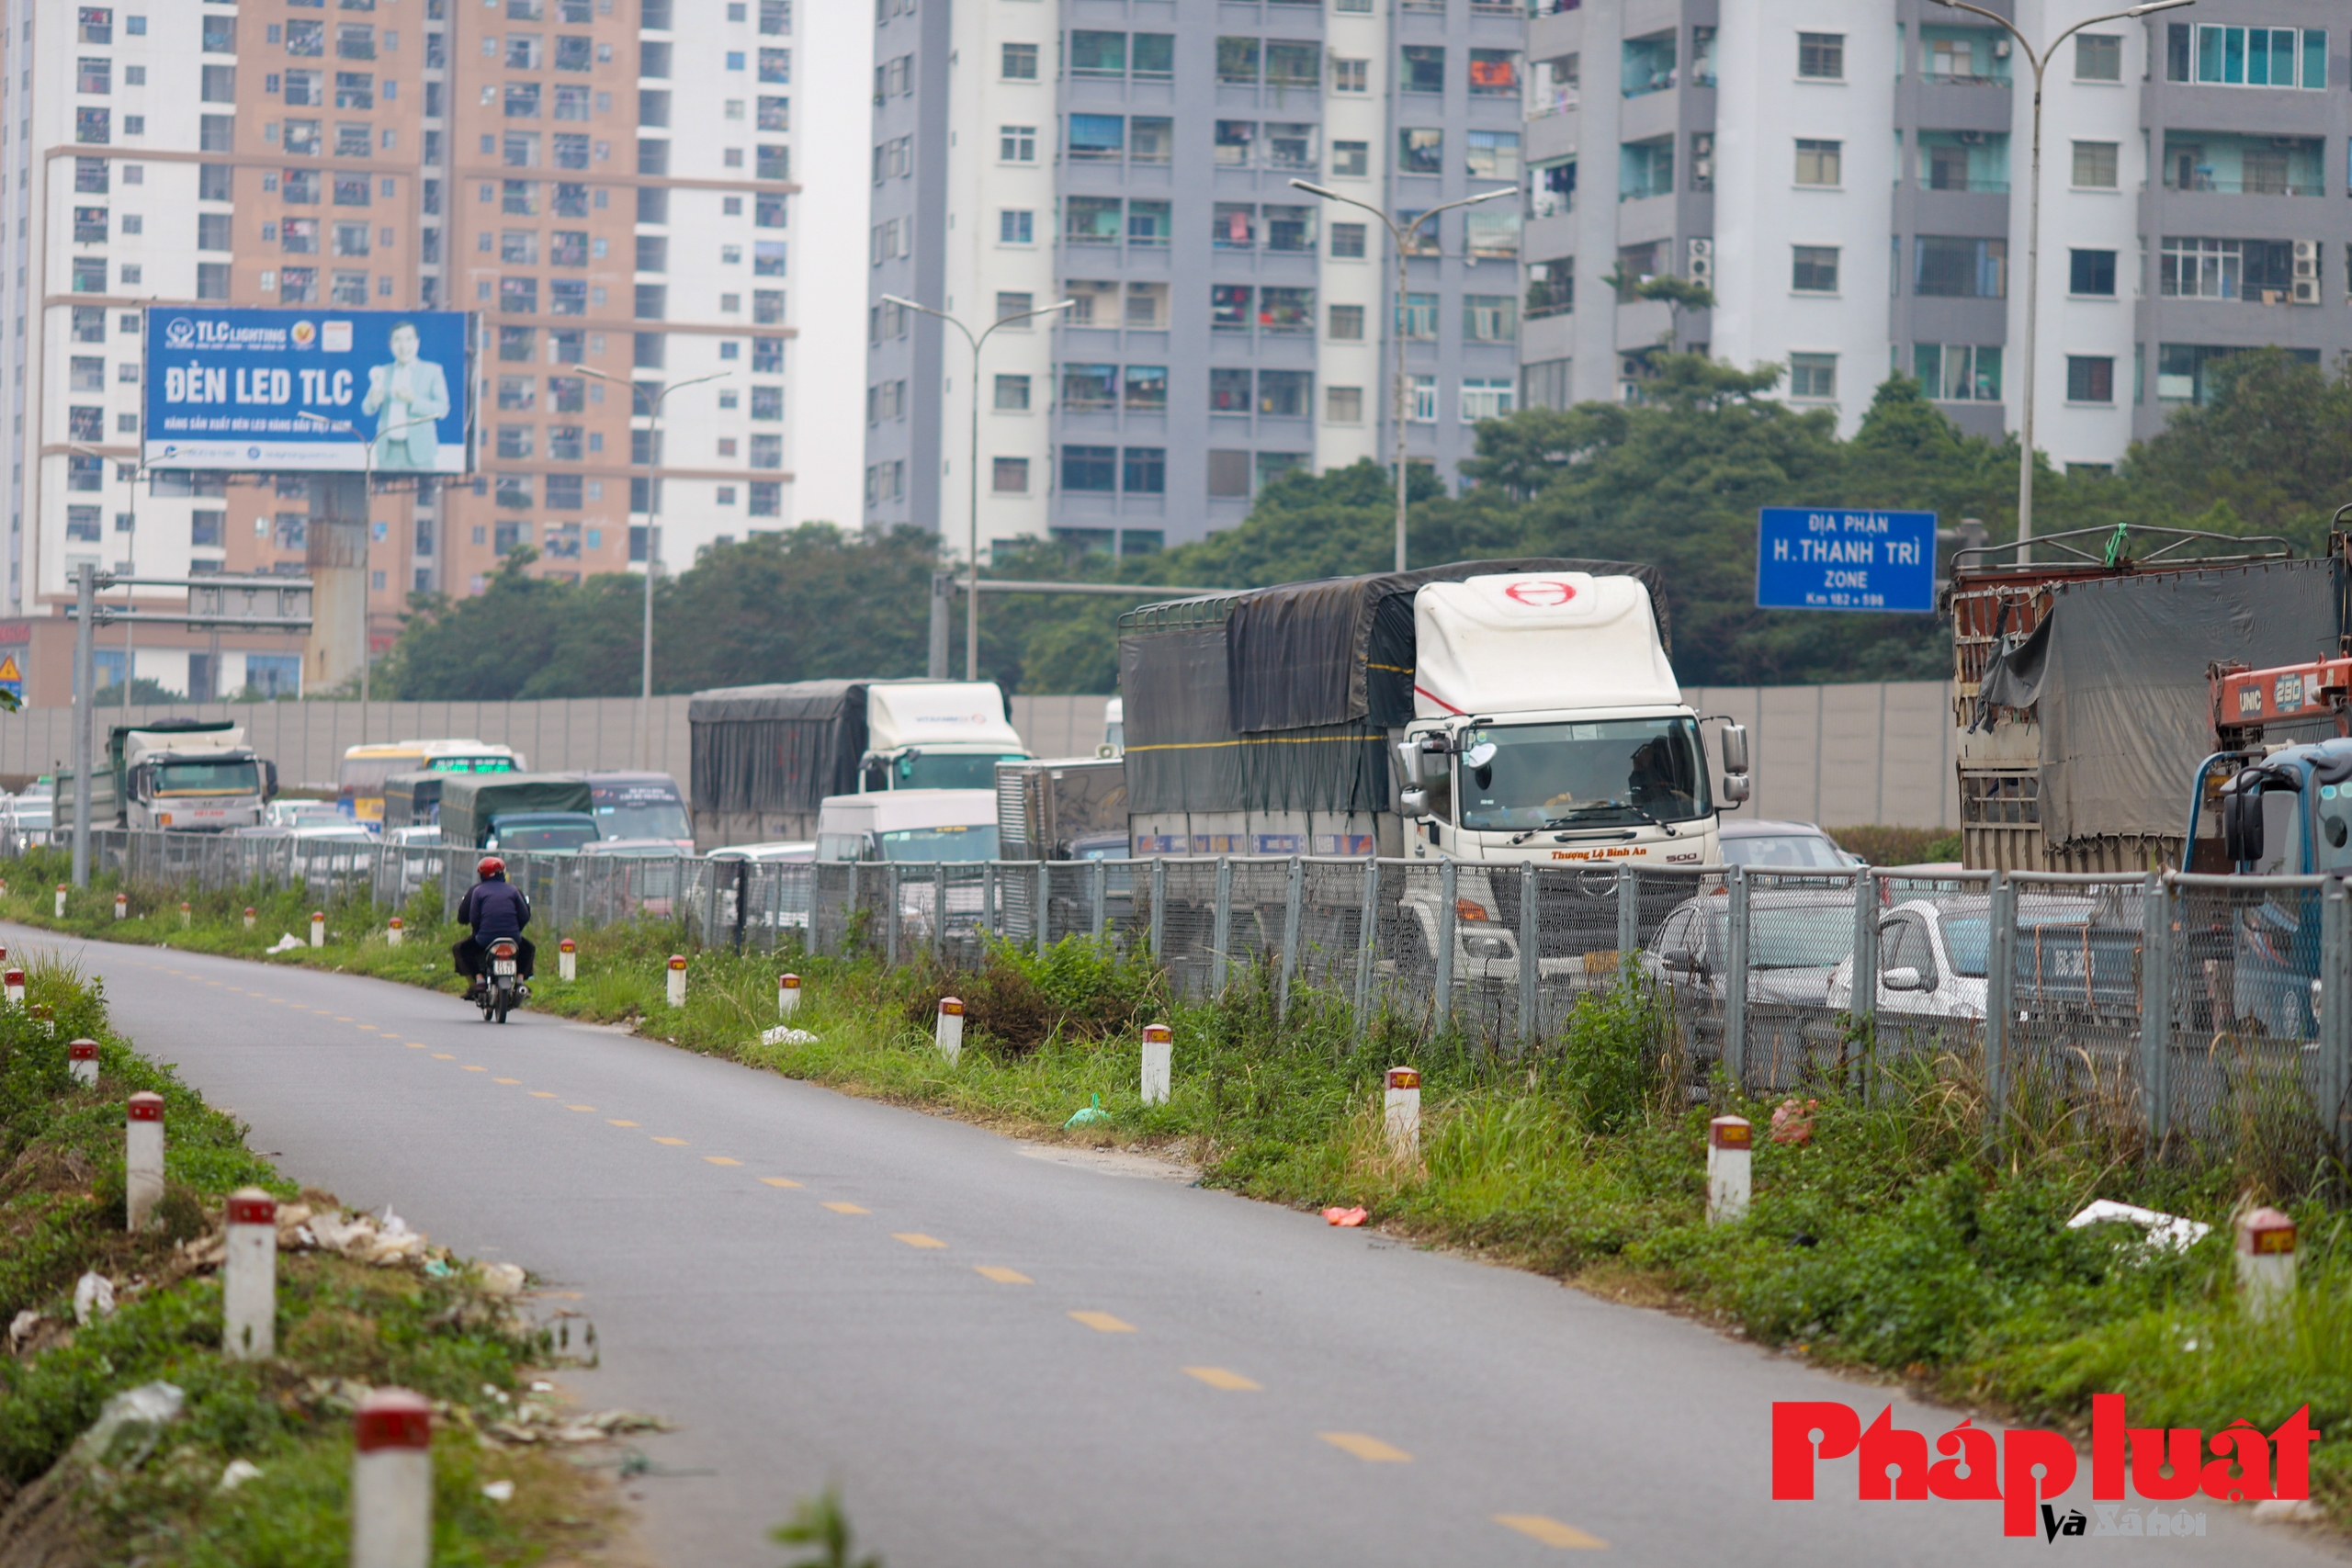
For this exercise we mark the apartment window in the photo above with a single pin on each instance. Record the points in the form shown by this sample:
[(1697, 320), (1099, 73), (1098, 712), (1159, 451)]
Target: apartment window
[(1813, 375), (1819, 162), (305, 39), (220, 35), (1424, 68), (1290, 64), (1019, 62), (1344, 405), (1285, 394), (1552, 288), (766, 452), (352, 190), (1815, 270), (351, 239), (1489, 398), (2247, 57), (298, 286), (1417, 316), (1015, 226), (1350, 76), (84, 524), (94, 126), (2256, 271), (1351, 158), (90, 226), (2095, 166), (1097, 138), (514, 440), (1008, 476), (1347, 323), (96, 24), (1494, 72), (1009, 305), (2091, 273), (1822, 56), (1087, 389), (2089, 379), (776, 67), (1494, 154), (1646, 168), (94, 74), (348, 289), (86, 373), (1229, 389), (2098, 57), (1420, 151), (1014, 144), (518, 296), (89, 274), (1489, 317), (1348, 240), (354, 41), (1952, 267), (1089, 468)]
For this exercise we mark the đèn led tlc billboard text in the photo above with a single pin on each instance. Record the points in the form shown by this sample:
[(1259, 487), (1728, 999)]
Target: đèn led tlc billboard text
[(229, 390)]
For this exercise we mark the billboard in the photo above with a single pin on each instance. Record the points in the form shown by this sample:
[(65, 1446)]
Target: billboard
[(228, 389)]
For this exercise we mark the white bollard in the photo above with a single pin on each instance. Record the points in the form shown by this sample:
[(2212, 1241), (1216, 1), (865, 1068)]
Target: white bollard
[(1401, 1113), (249, 1277), (787, 994), (1730, 1154), (122, 905), (677, 979), (392, 933), (949, 1035), (61, 900), (142, 1157), (2265, 1252), (318, 928), (249, 916), (186, 914), (567, 960), (14, 982), (82, 1055), (391, 1481), (1158, 1053)]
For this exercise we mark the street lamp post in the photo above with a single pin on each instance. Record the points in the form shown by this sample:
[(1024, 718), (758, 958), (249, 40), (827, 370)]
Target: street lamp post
[(1397, 236), (135, 473), (367, 529), (653, 530), (2033, 230), (972, 593)]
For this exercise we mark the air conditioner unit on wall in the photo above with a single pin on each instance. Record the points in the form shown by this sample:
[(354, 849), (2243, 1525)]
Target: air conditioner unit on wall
[(1701, 268), (2306, 273)]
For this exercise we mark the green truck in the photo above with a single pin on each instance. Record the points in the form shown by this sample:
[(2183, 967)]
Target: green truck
[(533, 813)]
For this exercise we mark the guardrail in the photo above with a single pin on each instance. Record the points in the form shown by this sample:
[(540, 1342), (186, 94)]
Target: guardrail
[(2150, 1006)]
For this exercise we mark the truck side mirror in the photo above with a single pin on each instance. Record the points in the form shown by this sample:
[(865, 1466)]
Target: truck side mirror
[(1413, 802), (1735, 790), (1734, 745), (2241, 821)]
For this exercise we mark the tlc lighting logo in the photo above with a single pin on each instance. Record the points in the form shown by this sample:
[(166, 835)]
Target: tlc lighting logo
[(2022, 1466)]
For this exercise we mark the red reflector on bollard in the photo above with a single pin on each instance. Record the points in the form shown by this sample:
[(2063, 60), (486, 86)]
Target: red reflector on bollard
[(252, 1211), (146, 1107), (392, 1418)]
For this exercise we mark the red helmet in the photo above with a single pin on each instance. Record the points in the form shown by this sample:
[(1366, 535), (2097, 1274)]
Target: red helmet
[(492, 866)]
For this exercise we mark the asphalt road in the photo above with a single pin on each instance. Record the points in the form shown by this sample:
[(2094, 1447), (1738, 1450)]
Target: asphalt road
[(1011, 1359)]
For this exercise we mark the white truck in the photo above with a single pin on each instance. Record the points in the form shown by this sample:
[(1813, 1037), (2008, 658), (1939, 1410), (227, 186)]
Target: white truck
[(1490, 713), (186, 775), (916, 827), (766, 758)]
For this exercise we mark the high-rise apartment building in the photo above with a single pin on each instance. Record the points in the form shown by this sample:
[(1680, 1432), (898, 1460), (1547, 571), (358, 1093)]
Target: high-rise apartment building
[(1852, 178), (1135, 157), (606, 183)]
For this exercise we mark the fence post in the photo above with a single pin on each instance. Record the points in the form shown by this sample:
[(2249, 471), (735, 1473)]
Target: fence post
[(1045, 901), (742, 898), (1448, 881), (1368, 939), (1291, 891), (2000, 1004), (939, 910), (1861, 999), (1530, 951), (1158, 906), (890, 911), (2155, 994), (849, 910), (987, 899), (1629, 913), (1736, 981), (1221, 930), (1100, 894)]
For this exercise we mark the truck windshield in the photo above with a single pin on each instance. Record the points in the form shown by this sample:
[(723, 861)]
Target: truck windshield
[(2333, 811), (952, 769), (644, 819), (940, 843), (1609, 773), (208, 778), (546, 835)]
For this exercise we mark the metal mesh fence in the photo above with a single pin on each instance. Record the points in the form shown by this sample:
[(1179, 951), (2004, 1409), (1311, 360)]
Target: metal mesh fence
[(2126, 1008)]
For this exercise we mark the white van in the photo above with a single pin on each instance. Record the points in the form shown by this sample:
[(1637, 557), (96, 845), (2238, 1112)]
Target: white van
[(920, 824)]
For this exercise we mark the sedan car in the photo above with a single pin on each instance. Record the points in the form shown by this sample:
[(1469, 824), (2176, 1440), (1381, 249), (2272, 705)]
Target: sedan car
[(1796, 939), (1932, 956), (1782, 846)]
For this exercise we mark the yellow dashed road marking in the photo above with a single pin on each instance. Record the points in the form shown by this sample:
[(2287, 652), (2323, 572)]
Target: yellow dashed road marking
[(444, 1056), (916, 1238), (721, 1159), (673, 1143), (779, 1181), (543, 1094), (1001, 1275), (1218, 1377), (416, 1045), (1550, 1532), (1103, 1322), (847, 1208), (619, 1124), (371, 1029), (580, 1108), (473, 1069), (1366, 1447), (506, 1080)]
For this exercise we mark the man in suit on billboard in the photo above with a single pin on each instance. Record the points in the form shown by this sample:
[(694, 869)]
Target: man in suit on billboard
[(406, 397)]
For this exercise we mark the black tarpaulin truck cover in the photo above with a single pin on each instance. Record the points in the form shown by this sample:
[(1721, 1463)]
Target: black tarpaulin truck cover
[(468, 801), (1280, 699), (2126, 710), (779, 748)]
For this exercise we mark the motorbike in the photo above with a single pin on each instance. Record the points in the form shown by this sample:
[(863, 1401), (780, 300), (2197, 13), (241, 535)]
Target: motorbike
[(502, 989)]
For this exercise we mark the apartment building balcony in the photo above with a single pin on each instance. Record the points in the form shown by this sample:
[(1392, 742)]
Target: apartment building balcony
[(1552, 139), (1553, 32)]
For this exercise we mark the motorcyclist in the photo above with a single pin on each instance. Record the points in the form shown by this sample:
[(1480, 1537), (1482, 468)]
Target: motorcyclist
[(492, 909)]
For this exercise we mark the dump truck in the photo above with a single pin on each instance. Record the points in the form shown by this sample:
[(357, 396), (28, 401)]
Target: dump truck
[(765, 758), (518, 811), (186, 775)]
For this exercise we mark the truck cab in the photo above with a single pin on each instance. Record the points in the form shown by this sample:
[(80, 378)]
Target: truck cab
[(935, 735)]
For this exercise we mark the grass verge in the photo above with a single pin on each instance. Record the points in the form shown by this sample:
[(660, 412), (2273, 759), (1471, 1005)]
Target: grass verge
[(1887, 1242), (427, 1323)]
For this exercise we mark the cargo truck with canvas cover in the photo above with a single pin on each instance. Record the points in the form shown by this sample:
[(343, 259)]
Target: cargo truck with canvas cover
[(765, 758), (518, 811)]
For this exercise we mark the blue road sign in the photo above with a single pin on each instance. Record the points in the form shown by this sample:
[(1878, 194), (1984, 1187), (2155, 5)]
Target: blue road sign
[(1825, 558)]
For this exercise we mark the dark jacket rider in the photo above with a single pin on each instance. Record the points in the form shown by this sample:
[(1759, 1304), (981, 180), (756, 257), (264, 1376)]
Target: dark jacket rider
[(492, 909)]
